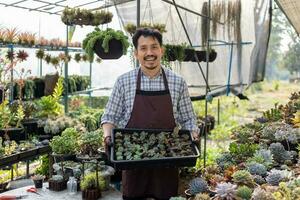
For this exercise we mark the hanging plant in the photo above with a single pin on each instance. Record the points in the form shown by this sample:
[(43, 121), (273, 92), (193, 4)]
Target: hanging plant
[(77, 57), (10, 55), (22, 55), (47, 58), (63, 58), (54, 61), (131, 28), (107, 44), (40, 54), (73, 16), (174, 52), (11, 35)]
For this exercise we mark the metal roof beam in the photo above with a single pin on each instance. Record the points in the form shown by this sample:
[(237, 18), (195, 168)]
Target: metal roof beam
[(30, 9), (17, 2), (47, 4)]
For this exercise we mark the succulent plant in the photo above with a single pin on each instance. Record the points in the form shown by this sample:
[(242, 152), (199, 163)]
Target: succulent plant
[(276, 176), (225, 191), (57, 178), (257, 169), (244, 192), (90, 182), (243, 177), (280, 155), (202, 196), (263, 156), (225, 160), (198, 185), (241, 152), (283, 192), (90, 142), (261, 194), (259, 179), (38, 177), (177, 198), (66, 143)]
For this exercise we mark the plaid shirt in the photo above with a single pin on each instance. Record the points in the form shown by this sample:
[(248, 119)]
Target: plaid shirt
[(120, 104)]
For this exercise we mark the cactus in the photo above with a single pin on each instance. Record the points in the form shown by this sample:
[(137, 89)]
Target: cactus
[(257, 169), (244, 192), (225, 191), (243, 177), (198, 185)]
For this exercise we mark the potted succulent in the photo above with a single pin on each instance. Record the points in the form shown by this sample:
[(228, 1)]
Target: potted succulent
[(90, 142), (57, 183), (107, 44), (38, 180), (66, 143), (91, 186), (131, 28), (197, 185), (73, 16)]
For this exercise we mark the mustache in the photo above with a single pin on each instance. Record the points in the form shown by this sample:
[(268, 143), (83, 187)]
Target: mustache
[(146, 57)]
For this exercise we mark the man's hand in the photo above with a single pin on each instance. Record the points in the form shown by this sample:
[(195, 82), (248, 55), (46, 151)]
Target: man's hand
[(107, 144), (196, 136)]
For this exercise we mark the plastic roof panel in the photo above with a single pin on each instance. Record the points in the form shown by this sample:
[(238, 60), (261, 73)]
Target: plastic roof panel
[(291, 9)]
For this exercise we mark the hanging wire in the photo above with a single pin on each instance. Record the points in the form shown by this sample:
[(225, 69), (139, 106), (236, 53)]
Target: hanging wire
[(144, 13), (150, 13)]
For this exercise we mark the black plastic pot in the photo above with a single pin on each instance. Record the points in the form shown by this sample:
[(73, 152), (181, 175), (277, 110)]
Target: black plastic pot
[(38, 183), (16, 134), (189, 55), (39, 87), (115, 49), (212, 56), (30, 126)]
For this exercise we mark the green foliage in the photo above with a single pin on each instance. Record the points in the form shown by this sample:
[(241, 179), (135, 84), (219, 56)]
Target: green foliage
[(89, 121), (244, 192), (275, 177), (211, 156), (280, 155), (90, 142), (66, 143), (9, 118), (225, 160), (241, 152), (283, 192), (273, 114), (262, 156), (257, 169), (90, 182), (105, 36), (43, 168), (243, 177), (49, 105)]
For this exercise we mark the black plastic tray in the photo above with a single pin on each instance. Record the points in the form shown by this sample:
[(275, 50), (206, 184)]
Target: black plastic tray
[(155, 162)]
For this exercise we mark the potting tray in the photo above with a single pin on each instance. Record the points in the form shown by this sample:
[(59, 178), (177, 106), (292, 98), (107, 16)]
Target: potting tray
[(181, 161)]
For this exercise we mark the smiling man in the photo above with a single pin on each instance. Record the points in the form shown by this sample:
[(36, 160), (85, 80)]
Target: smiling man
[(149, 97)]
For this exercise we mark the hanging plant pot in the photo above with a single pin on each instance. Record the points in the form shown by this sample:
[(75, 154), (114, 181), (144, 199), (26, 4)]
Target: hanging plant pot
[(189, 55), (39, 87), (212, 56), (115, 49), (201, 55)]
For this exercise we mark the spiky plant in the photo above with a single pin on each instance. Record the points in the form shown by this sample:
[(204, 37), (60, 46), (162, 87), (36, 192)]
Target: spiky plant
[(244, 192), (274, 177), (11, 35), (243, 177), (263, 156), (257, 169), (47, 58), (198, 185), (77, 57), (22, 55), (280, 155), (225, 191), (40, 53), (10, 55)]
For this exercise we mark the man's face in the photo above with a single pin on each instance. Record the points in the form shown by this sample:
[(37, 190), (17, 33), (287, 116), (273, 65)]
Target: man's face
[(149, 52)]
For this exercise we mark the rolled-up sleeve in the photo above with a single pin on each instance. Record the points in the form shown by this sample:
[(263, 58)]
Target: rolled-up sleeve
[(186, 115), (114, 107)]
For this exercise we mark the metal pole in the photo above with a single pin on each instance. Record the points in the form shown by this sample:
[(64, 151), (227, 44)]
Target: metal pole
[(229, 70), (11, 97), (190, 42), (66, 88), (90, 93), (138, 23), (218, 111), (41, 68), (207, 88)]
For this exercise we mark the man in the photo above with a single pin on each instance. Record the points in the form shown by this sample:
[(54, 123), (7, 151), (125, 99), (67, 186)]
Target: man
[(149, 97)]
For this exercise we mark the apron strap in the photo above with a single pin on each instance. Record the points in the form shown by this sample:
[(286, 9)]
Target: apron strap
[(138, 84)]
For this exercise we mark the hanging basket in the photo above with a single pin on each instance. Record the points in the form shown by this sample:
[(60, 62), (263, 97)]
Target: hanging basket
[(212, 56), (115, 49), (189, 55)]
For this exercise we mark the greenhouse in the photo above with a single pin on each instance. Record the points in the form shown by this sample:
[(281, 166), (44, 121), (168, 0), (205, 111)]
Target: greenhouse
[(150, 99)]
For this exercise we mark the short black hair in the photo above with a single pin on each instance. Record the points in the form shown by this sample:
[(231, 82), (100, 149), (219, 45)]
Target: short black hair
[(146, 32)]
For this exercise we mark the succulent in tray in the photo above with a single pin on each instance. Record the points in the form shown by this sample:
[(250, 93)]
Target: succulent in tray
[(144, 145)]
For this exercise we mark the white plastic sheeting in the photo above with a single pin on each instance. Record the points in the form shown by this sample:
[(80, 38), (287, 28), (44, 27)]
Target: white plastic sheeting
[(227, 72)]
